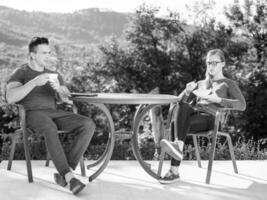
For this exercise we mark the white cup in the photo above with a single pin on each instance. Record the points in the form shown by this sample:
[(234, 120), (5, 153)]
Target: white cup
[(53, 77)]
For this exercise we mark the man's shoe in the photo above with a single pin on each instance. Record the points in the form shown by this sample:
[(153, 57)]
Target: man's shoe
[(172, 149), (76, 186), (170, 177), (60, 180)]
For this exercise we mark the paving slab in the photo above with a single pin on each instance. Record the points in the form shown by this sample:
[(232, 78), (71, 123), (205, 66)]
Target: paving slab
[(127, 180)]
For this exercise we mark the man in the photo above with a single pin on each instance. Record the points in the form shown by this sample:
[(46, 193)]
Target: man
[(35, 87)]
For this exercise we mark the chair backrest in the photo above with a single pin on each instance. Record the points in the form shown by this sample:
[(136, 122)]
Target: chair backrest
[(222, 114), (224, 118), (10, 109), (21, 110), (22, 117)]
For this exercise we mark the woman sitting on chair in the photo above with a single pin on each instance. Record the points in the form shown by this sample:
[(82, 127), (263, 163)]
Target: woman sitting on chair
[(207, 95)]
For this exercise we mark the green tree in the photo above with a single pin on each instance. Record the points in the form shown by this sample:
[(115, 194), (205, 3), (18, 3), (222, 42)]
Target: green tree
[(162, 52), (250, 21), (166, 52), (143, 60)]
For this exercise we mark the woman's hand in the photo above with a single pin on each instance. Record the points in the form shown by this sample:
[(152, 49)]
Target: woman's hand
[(212, 98), (190, 87)]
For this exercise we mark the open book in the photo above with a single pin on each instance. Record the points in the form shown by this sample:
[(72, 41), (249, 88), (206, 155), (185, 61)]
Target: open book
[(202, 93)]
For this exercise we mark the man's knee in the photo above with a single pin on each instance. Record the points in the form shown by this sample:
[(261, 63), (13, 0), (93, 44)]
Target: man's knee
[(44, 129), (88, 124)]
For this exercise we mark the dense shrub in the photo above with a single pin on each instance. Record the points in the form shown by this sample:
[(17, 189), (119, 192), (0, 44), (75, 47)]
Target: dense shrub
[(244, 150)]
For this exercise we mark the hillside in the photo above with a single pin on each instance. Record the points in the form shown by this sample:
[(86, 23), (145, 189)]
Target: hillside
[(89, 25)]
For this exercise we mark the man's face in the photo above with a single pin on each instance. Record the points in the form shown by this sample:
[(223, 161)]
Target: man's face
[(42, 55)]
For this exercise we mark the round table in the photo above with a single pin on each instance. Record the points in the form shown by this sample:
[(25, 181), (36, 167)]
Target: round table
[(146, 102)]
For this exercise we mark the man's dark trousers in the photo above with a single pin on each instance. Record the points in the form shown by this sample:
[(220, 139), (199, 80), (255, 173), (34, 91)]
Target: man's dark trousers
[(48, 121)]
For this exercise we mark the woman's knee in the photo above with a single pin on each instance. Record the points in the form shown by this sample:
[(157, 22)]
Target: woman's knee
[(183, 105), (185, 108)]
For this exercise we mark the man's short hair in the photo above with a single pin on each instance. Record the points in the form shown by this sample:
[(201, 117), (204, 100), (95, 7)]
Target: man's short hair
[(35, 41)]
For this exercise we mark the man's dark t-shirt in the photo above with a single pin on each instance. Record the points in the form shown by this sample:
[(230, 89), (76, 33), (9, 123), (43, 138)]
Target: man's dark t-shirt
[(41, 97)]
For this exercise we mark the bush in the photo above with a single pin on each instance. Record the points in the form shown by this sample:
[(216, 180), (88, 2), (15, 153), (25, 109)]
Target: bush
[(244, 150)]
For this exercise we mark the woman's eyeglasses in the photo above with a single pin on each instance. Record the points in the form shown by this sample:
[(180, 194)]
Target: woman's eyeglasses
[(213, 62)]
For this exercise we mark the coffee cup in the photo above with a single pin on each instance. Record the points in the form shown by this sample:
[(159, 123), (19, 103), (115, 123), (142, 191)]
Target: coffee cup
[(53, 77)]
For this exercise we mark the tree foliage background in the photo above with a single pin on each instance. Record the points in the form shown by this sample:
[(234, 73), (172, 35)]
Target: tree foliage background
[(168, 53)]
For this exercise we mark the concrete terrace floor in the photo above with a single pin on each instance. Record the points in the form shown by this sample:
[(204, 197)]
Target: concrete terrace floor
[(127, 180)]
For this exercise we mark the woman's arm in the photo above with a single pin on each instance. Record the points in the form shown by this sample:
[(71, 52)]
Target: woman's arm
[(238, 101), (187, 92)]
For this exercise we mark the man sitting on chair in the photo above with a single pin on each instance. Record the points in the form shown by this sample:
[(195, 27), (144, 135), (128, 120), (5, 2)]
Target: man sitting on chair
[(35, 87)]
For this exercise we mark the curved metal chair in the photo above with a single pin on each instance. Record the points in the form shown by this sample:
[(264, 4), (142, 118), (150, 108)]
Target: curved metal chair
[(25, 132), (221, 117), (155, 170)]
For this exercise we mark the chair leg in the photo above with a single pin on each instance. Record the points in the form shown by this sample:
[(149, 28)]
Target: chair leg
[(161, 159), (211, 157), (83, 173), (231, 149), (213, 146), (11, 156), (28, 158), (197, 150), (48, 157)]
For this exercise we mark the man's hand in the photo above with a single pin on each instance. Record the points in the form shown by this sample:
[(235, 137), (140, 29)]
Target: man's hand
[(64, 94), (55, 84), (64, 91), (41, 79)]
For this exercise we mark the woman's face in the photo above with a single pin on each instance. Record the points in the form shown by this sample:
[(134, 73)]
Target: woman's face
[(214, 65)]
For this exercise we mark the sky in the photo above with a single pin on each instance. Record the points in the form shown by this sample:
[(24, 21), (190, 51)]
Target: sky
[(66, 6)]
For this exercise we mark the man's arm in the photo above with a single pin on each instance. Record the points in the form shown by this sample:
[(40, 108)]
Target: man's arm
[(184, 95), (16, 91)]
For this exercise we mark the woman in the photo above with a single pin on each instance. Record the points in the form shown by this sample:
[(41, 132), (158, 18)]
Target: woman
[(211, 93)]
